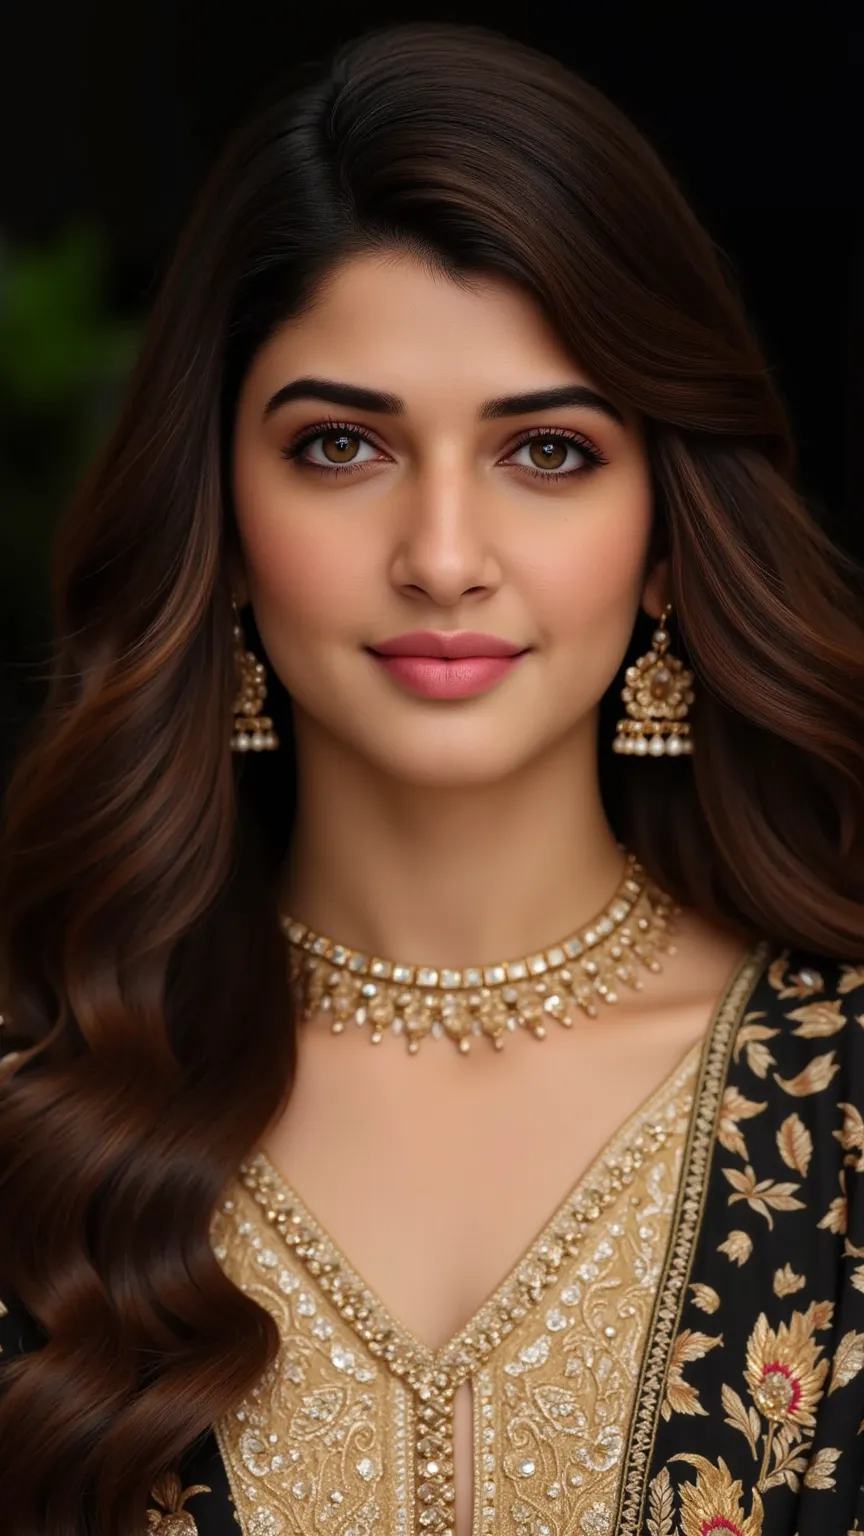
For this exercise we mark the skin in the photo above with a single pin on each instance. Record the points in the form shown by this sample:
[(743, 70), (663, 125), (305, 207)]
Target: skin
[(452, 832)]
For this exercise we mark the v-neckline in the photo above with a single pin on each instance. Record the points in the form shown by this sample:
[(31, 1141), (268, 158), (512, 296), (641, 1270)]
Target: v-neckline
[(587, 1193)]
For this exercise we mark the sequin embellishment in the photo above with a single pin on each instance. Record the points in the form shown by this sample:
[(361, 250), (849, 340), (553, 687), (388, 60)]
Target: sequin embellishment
[(351, 1430)]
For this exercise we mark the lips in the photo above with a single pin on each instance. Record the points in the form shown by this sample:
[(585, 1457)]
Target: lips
[(440, 677), (454, 646)]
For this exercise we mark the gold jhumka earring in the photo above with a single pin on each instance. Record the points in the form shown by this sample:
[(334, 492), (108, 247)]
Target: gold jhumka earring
[(253, 730), (658, 693)]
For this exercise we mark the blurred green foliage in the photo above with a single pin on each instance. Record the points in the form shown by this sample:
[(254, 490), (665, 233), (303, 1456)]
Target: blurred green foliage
[(64, 357)]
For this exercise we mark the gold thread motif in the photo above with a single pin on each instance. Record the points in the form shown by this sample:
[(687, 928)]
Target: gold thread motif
[(684, 1235), (564, 1368)]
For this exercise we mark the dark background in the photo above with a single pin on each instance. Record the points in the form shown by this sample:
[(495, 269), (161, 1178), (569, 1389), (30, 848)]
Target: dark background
[(111, 114)]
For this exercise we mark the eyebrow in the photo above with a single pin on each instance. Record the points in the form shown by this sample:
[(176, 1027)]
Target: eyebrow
[(364, 399)]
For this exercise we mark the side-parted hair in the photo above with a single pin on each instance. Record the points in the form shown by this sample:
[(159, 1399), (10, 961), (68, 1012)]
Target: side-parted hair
[(144, 972)]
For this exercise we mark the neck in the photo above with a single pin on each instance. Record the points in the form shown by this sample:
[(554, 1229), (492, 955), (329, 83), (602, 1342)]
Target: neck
[(449, 877)]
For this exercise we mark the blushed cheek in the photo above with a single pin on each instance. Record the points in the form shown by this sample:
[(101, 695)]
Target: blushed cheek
[(309, 588), (292, 580), (295, 561), (590, 583)]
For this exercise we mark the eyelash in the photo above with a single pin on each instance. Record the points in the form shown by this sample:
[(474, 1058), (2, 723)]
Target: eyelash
[(325, 428)]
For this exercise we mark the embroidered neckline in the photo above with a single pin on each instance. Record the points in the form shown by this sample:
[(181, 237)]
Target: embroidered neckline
[(432, 1376), (408, 1435), (523, 1286)]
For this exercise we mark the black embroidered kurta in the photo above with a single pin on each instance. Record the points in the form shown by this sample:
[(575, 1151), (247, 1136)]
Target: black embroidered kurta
[(746, 1396)]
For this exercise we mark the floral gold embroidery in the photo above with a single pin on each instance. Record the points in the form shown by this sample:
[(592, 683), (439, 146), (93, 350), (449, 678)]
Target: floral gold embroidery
[(795, 1144), (680, 1396), (713, 1502), (786, 1378), (790, 1460), (803, 984), (661, 1505), (705, 1297), (647, 1426), (750, 1038), (836, 1217), (848, 1360), (738, 1247), (814, 1078), (851, 1136), (170, 1493), (816, 1021), (734, 1108), (851, 976), (783, 1371), (771, 1436), (786, 1282), (818, 1474), (746, 1420), (347, 1428), (823, 1312), (762, 1194)]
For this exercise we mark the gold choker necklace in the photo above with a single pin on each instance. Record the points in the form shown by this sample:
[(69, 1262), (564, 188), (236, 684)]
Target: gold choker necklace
[(420, 1000)]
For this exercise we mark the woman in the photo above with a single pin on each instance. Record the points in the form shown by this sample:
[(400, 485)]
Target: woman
[(450, 490)]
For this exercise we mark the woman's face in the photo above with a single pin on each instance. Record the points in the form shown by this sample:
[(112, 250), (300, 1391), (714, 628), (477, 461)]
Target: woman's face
[(439, 513)]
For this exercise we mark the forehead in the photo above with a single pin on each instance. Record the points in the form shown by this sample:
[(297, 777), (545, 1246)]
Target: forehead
[(393, 314)]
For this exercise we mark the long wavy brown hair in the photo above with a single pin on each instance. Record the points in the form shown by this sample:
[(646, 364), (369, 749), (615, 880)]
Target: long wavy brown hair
[(144, 972)]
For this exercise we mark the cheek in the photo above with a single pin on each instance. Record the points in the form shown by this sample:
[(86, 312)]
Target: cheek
[(300, 578), (585, 591), (587, 583), (304, 582)]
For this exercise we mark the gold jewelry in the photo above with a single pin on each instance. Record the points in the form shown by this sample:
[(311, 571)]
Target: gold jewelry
[(658, 694), (419, 1000), (253, 731)]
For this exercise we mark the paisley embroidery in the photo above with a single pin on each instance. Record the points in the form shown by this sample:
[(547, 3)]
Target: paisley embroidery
[(308, 1450)]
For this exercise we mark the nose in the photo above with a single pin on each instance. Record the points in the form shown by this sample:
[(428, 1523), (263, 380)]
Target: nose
[(443, 551)]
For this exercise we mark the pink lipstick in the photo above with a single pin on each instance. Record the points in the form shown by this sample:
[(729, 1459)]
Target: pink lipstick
[(438, 665)]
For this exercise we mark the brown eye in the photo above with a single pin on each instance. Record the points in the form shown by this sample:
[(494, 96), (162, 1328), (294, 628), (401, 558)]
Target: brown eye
[(339, 448), (549, 450), (547, 453)]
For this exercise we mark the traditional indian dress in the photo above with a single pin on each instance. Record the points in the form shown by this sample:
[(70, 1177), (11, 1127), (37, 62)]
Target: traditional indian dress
[(679, 1351)]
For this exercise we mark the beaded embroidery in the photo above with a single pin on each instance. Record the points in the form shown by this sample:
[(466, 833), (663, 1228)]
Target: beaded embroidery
[(351, 1430)]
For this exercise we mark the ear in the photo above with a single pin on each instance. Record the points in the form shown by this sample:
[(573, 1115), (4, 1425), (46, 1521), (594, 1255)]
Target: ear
[(656, 591)]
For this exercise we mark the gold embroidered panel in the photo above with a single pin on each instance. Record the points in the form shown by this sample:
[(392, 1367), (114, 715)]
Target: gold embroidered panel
[(351, 1429)]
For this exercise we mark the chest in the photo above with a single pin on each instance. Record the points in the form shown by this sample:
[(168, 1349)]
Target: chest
[(435, 1179), (529, 1400), (675, 1348)]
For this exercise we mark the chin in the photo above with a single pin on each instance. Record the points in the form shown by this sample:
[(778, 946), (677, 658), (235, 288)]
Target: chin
[(457, 766)]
